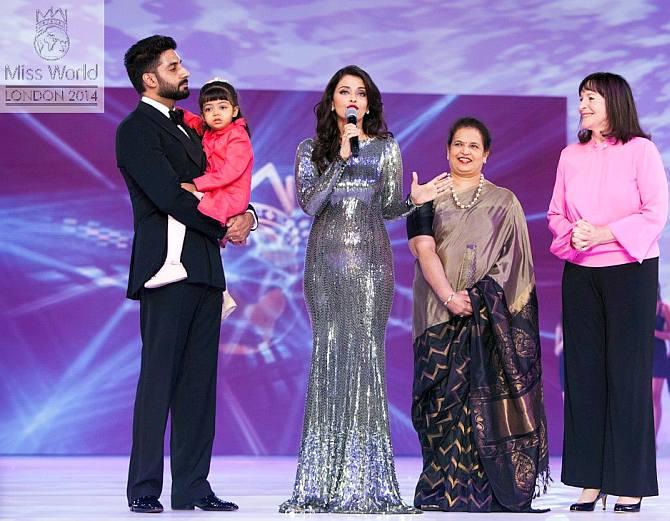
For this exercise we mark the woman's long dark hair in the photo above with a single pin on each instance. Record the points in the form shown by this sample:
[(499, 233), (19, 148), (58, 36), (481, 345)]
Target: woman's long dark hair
[(619, 107), (327, 144), (219, 90)]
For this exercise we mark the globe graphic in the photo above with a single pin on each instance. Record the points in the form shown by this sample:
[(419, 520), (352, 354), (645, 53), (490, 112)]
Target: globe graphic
[(52, 43)]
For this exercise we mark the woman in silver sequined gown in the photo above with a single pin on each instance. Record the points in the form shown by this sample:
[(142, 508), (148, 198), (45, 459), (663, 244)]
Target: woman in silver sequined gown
[(346, 459)]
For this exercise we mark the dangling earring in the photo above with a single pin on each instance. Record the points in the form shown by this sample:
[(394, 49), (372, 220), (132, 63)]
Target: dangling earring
[(367, 112), (332, 108)]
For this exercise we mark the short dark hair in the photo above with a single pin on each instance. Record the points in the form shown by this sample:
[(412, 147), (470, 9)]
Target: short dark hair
[(144, 57), (469, 122), (223, 91), (619, 106)]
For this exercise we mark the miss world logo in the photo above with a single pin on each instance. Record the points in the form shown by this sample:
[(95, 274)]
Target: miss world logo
[(51, 39)]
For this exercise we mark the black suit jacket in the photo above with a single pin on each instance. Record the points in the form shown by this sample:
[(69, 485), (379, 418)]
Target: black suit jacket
[(154, 156)]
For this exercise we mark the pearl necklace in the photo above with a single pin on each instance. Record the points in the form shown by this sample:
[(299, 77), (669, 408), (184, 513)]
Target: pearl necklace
[(474, 199)]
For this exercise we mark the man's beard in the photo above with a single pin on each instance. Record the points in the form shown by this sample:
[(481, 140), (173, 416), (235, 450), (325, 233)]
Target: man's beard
[(165, 90)]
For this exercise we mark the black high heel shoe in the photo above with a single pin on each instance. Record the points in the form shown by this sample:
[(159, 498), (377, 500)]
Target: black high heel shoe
[(589, 507), (635, 507)]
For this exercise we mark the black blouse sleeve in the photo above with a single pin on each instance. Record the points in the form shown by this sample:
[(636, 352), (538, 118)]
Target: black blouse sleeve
[(420, 221)]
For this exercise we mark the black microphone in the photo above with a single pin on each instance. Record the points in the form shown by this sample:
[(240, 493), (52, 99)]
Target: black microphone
[(352, 117)]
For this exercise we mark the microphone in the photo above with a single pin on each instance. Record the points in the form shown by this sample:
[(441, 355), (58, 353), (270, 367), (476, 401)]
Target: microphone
[(352, 117)]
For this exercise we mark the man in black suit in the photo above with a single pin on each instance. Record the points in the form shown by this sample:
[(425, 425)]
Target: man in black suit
[(180, 321)]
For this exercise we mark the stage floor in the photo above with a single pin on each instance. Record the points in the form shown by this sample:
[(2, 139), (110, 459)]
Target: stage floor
[(92, 489)]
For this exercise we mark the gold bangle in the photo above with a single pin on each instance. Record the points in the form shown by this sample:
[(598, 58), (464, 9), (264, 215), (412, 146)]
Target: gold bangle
[(449, 299)]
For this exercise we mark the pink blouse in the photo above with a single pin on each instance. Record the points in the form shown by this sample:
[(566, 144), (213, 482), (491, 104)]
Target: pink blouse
[(623, 186)]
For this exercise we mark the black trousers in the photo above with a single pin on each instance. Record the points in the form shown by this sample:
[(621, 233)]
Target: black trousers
[(608, 333), (180, 326)]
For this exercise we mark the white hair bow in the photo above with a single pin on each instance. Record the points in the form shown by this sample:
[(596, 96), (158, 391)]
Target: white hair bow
[(214, 80)]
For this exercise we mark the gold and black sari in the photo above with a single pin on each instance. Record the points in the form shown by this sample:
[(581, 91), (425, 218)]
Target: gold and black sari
[(477, 394)]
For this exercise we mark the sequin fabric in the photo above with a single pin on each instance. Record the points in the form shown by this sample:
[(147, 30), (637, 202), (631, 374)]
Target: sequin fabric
[(346, 459)]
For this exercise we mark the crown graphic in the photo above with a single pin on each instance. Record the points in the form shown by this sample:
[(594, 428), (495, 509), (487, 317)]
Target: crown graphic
[(51, 18)]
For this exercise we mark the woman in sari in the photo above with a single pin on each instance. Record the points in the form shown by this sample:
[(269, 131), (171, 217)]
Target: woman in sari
[(477, 393)]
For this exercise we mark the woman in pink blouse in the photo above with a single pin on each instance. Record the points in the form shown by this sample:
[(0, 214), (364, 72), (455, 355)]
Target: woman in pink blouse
[(608, 209)]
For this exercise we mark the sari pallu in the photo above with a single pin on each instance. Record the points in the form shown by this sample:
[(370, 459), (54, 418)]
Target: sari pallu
[(478, 407)]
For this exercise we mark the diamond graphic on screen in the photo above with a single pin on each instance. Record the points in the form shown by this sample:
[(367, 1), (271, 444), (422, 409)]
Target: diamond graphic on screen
[(51, 39)]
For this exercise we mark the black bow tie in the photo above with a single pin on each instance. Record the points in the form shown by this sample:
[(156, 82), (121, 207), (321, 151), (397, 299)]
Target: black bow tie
[(177, 117)]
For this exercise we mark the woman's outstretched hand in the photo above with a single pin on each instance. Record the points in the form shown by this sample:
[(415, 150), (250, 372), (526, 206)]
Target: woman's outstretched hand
[(422, 193)]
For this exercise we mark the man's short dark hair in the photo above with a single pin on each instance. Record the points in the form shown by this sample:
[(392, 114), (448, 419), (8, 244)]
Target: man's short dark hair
[(144, 56)]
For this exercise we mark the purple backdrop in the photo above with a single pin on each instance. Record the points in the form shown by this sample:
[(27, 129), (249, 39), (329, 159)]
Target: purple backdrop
[(71, 345)]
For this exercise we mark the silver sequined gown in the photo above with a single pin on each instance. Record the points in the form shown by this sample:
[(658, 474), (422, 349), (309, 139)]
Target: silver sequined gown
[(346, 460)]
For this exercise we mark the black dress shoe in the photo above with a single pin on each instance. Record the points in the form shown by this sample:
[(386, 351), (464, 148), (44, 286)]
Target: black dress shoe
[(146, 505), (210, 502), (591, 505), (635, 507)]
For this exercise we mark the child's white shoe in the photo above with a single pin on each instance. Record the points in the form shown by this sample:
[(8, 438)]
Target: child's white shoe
[(169, 273), (229, 305)]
